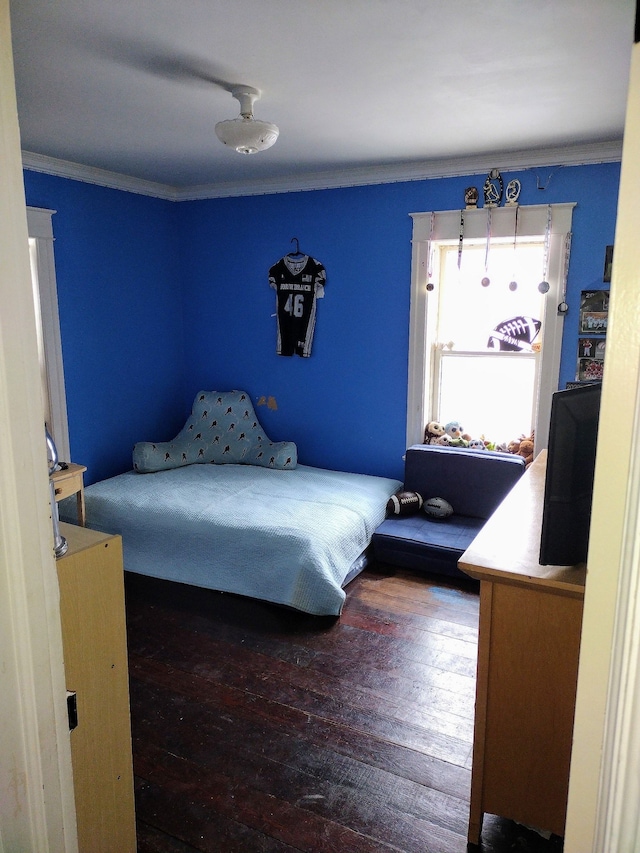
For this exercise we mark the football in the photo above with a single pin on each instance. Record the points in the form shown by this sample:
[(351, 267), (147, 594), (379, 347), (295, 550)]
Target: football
[(404, 503), (515, 335), (438, 508)]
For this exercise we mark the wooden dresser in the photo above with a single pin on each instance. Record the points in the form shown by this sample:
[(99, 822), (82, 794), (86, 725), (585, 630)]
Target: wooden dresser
[(528, 648), (92, 612)]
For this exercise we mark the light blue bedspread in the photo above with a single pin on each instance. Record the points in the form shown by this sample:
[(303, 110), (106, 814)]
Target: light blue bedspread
[(287, 536)]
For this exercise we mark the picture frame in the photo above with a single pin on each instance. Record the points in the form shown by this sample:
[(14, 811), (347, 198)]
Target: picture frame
[(591, 348), (575, 384), (592, 331), (594, 312), (589, 370), (591, 352), (608, 263)]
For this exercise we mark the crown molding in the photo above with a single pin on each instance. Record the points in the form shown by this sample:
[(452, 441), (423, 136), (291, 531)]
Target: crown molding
[(577, 155), (92, 175), (569, 155)]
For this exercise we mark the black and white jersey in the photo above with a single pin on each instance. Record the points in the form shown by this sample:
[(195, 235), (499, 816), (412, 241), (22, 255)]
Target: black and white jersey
[(298, 283)]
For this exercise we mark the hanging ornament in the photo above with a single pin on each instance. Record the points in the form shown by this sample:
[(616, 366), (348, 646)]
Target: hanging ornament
[(432, 225), (513, 284), (544, 285), (563, 306), (486, 281), (460, 238), (493, 189)]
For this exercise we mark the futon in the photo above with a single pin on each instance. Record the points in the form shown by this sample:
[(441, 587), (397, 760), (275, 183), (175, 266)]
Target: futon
[(256, 524)]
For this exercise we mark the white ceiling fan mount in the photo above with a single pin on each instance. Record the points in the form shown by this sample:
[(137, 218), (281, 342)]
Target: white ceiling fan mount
[(245, 134)]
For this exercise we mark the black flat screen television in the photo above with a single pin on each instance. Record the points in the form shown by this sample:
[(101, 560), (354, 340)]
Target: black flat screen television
[(571, 457)]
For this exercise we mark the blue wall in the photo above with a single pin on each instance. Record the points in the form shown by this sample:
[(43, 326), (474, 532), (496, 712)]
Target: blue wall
[(346, 405), (120, 317), (123, 262)]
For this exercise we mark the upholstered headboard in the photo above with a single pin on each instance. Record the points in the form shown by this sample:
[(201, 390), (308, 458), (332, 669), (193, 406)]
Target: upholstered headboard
[(223, 428)]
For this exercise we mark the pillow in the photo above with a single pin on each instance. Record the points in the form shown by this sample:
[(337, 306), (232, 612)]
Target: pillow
[(223, 428)]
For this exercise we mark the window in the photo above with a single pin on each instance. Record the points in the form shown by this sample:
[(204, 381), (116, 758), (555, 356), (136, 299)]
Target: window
[(484, 340), (49, 344)]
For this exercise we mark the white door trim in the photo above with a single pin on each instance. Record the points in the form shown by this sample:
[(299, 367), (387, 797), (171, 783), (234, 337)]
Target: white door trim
[(37, 811), (604, 785), (40, 226)]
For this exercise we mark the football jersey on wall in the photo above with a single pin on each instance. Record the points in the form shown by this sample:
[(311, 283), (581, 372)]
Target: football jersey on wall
[(299, 283)]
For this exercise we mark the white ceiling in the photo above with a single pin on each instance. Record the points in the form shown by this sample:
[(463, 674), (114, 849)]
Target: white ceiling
[(357, 87)]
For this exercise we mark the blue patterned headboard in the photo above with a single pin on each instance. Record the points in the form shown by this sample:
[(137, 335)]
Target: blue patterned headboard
[(223, 427)]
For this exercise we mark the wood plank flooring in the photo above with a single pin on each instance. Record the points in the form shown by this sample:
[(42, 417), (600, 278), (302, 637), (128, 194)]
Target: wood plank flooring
[(256, 728)]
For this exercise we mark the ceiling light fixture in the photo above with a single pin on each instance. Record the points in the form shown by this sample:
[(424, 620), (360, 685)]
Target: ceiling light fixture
[(246, 134)]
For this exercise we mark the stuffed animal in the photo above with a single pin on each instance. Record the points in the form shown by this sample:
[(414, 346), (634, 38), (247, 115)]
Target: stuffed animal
[(444, 439), (432, 432), (477, 444), (459, 442), (523, 447), (455, 432), (453, 429), (526, 450)]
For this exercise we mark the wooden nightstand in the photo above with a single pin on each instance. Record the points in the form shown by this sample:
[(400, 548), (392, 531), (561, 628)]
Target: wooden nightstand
[(68, 481)]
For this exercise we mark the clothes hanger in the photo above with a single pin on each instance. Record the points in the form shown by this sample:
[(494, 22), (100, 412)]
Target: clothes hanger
[(297, 253)]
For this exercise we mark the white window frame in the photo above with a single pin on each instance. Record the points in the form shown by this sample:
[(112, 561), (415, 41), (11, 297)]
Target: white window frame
[(445, 226), (40, 225), (442, 356)]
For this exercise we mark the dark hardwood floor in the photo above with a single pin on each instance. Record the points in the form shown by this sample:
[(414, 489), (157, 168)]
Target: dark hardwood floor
[(256, 728)]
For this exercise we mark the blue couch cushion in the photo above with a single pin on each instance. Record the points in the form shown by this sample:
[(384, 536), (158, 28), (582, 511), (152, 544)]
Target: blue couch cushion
[(474, 482), (423, 543)]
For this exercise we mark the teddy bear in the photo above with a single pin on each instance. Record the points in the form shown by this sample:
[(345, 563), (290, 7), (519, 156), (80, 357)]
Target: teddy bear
[(433, 431), (526, 450), (523, 447)]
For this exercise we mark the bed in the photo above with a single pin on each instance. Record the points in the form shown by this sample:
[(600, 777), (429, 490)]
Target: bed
[(224, 508)]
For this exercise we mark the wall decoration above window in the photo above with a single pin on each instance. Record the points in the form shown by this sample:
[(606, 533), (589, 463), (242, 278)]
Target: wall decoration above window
[(513, 191), (493, 189), (471, 196)]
